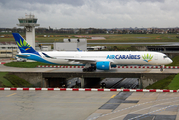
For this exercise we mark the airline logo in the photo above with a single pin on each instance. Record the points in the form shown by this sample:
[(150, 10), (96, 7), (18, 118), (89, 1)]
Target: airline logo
[(23, 44), (123, 56), (79, 49), (147, 58)]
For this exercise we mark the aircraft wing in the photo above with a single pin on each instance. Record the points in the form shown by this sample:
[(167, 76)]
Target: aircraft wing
[(84, 60), (81, 60)]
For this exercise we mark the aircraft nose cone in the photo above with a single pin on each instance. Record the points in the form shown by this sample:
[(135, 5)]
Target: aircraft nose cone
[(170, 61)]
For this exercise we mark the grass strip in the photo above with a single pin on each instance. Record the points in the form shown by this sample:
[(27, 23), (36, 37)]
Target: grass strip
[(175, 61), (17, 81), (24, 64), (174, 85), (10, 80), (162, 84), (3, 81)]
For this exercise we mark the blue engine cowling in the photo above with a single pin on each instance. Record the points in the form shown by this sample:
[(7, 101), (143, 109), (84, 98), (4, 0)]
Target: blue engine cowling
[(103, 65)]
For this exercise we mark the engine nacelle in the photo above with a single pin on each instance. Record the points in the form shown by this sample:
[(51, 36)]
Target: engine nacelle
[(103, 65)]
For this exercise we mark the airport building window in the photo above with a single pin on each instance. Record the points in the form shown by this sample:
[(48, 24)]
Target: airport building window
[(35, 21), (29, 21), (6, 52), (22, 21)]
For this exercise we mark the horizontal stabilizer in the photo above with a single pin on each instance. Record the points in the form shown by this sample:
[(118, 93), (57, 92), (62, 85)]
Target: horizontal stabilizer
[(24, 56), (48, 56)]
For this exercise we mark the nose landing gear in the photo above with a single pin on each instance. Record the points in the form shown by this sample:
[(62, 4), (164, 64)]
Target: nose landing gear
[(161, 68)]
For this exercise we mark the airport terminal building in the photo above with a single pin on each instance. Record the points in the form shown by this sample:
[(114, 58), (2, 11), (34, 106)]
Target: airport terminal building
[(71, 45)]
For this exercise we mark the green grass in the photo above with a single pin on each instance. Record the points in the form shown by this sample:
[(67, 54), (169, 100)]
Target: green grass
[(171, 83), (4, 82), (24, 64), (10, 80), (28, 64), (119, 47), (16, 81), (162, 84), (175, 61), (136, 38), (109, 38), (174, 85), (122, 47)]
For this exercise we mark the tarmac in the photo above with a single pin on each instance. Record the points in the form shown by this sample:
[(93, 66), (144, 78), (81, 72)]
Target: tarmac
[(84, 105), (87, 105), (50, 105), (139, 106)]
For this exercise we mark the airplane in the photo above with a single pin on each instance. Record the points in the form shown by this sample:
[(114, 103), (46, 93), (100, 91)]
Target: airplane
[(78, 49), (102, 60)]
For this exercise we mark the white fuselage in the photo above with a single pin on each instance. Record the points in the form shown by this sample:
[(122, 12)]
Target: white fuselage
[(102, 60), (115, 57)]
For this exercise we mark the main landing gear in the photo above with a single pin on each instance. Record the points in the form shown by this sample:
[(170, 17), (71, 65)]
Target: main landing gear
[(89, 69)]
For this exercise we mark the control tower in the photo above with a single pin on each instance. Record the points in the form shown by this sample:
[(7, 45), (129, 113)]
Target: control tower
[(29, 22)]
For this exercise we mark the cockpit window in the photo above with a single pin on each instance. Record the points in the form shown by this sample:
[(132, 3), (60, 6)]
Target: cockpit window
[(165, 57)]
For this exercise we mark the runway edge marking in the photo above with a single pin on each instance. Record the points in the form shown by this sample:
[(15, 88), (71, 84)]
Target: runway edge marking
[(87, 89), (124, 67)]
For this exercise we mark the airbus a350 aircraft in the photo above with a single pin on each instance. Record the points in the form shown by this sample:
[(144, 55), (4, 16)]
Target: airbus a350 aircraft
[(102, 60)]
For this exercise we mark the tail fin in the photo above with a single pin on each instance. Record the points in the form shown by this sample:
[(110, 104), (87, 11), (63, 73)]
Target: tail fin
[(23, 45), (79, 49)]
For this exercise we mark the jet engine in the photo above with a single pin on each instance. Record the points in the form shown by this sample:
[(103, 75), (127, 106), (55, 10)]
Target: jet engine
[(103, 65)]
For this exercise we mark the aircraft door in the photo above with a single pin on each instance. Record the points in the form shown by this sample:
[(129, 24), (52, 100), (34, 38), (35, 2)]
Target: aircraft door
[(156, 57)]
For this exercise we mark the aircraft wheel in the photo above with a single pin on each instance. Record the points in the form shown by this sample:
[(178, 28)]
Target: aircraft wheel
[(94, 68), (90, 69), (84, 70)]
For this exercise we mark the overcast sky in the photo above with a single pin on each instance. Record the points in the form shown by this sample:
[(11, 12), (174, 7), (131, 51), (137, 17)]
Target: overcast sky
[(92, 13)]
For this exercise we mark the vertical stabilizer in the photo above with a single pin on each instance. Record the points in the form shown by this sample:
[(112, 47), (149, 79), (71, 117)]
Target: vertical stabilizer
[(23, 45)]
